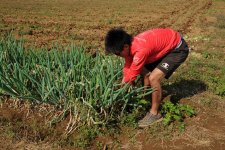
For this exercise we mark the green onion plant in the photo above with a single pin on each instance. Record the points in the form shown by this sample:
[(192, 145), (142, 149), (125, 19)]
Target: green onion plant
[(83, 86)]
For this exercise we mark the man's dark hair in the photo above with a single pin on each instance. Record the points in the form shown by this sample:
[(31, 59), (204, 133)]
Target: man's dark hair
[(115, 40)]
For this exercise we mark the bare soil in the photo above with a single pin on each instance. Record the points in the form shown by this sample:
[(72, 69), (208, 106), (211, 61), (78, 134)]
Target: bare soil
[(43, 23)]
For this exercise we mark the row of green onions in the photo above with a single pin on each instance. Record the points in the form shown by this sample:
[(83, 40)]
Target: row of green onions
[(67, 77)]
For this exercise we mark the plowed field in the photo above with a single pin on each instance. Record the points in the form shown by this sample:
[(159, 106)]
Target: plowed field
[(43, 23)]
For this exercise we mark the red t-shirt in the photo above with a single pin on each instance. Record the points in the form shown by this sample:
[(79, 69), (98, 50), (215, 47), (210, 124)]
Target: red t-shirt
[(148, 47)]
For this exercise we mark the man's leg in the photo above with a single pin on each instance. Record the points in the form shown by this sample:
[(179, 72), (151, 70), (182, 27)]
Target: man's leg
[(155, 79)]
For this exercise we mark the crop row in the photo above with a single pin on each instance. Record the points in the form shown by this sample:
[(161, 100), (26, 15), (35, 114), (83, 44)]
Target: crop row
[(77, 82)]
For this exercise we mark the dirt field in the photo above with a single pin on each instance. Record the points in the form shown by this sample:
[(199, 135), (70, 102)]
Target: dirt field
[(202, 22), (45, 23)]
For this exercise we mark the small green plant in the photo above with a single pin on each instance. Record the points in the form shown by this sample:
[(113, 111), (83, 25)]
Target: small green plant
[(129, 120), (220, 90), (176, 112), (99, 145), (82, 138), (85, 136), (181, 127), (110, 21), (206, 55)]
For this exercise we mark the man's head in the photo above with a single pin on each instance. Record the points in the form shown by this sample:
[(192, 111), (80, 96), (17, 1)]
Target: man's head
[(118, 42)]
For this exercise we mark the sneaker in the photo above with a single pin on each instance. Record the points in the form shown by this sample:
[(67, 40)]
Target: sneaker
[(150, 119)]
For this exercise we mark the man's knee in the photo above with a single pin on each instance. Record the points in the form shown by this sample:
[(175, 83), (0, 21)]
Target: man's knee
[(156, 76), (152, 78)]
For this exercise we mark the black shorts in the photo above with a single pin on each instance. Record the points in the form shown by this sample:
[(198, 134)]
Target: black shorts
[(171, 61)]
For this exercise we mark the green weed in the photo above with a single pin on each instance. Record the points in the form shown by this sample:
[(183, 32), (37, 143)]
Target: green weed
[(220, 90), (176, 112), (110, 21), (82, 138), (100, 145)]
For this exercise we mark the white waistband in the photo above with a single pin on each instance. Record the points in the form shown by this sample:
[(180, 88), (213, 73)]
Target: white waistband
[(178, 45)]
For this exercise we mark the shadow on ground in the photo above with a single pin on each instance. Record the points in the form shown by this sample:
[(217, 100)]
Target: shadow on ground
[(183, 89)]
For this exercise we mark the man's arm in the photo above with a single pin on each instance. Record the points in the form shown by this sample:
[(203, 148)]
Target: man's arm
[(137, 64)]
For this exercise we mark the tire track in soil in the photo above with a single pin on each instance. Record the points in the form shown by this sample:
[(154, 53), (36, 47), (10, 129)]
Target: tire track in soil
[(183, 18)]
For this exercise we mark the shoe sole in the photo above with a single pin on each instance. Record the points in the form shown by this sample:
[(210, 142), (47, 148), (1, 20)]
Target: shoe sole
[(142, 126)]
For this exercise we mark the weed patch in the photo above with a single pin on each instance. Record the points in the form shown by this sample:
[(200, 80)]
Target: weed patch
[(176, 112)]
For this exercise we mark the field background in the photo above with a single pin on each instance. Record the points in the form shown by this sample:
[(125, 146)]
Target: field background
[(44, 23), (199, 82)]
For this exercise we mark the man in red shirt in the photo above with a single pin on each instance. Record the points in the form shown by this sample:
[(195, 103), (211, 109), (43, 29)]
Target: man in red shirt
[(155, 54)]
